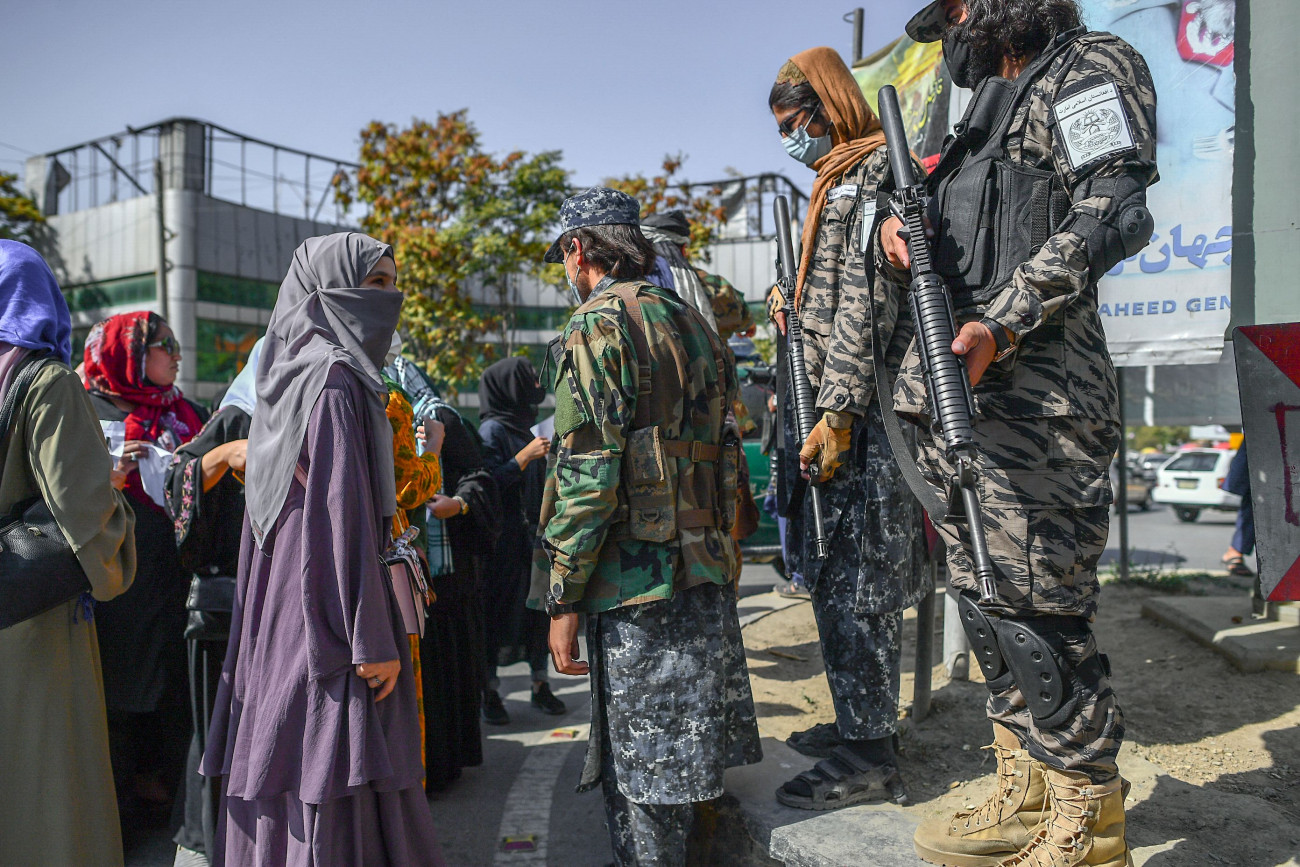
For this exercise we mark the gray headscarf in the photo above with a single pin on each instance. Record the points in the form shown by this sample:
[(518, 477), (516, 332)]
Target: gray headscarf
[(320, 319)]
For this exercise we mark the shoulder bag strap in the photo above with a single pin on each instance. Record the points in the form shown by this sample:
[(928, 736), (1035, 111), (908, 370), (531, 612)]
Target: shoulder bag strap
[(17, 389)]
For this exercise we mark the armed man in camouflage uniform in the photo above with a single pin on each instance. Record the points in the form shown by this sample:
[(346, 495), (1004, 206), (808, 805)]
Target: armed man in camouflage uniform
[(875, 567), (1063, 122), (636, 515)]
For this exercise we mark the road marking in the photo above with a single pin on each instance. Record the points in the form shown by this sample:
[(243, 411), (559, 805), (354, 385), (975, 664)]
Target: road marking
[(527, 810)]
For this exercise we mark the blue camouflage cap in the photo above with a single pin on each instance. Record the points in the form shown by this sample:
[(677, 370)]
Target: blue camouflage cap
[(598, 206), (928, 24)]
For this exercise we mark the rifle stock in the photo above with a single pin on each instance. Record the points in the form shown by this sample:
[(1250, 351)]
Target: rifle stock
[(804, 409), (946, 378)]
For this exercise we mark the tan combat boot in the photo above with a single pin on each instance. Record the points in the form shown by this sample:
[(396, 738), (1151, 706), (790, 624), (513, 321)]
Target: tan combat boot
[(1085, 825), (1002, 825)]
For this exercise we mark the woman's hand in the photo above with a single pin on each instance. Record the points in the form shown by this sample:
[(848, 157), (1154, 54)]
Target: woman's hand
[(117, 478), (225, 457), (431, 432), (237, 455), (531, 452), (380, 675), (444, 507), (132, 451)]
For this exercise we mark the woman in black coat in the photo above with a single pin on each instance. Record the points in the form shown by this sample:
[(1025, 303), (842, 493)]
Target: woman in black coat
[(509, 394)]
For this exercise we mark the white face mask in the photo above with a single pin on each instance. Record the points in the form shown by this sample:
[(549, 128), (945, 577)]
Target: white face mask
[(394, 349)]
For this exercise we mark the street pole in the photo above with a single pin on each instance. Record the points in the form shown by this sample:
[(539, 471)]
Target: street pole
[(162, 237), (1122, 505), (857, 34)]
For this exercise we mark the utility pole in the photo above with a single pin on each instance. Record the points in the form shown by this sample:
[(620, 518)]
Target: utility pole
[(162, 237), (857, 34)]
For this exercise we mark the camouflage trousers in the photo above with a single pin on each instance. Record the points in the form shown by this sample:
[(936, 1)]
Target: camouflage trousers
[(1045, 490), (671, 703), (644, 834), (862, 653)]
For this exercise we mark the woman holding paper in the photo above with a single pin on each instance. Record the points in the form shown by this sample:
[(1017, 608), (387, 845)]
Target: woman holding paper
[(131, 363)]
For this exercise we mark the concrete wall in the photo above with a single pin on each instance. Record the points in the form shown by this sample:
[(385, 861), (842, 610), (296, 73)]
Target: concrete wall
[(1266, 183)]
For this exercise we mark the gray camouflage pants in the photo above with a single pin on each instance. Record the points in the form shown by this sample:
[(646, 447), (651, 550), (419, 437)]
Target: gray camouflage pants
[(862, 654)]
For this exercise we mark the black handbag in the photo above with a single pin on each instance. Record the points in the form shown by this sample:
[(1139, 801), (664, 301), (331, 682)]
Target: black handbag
[(38, 570), (210, 603)]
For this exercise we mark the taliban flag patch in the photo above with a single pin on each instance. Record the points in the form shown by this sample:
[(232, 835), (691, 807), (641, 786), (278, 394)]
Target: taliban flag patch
[(1093, 125)]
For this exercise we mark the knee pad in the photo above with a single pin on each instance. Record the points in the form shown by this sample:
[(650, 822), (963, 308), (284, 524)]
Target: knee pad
[(1034, 652), (983, 637)]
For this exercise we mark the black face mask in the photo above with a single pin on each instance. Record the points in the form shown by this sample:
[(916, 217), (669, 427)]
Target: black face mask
[(957, 56)]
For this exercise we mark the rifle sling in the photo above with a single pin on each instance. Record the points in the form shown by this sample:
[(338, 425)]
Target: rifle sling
[(934, 506)]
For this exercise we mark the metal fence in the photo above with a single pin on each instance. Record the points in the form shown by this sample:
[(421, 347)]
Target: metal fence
[(201, 156)]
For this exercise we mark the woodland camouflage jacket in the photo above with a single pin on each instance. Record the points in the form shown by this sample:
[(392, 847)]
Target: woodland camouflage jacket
[(627, 515)]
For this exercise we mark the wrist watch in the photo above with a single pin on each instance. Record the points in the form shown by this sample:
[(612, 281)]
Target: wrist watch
[(464, 506), (1004, 341)]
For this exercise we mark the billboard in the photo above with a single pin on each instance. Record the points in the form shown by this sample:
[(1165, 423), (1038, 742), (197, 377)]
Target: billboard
[(1171, 303)]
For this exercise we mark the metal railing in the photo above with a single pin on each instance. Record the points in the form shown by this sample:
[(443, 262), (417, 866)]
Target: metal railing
[(197, 155), (747, 203)]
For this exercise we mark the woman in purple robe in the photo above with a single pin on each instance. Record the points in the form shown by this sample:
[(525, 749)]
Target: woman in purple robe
[(314, 732)]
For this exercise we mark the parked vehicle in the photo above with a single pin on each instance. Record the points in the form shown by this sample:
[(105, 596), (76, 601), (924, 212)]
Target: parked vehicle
[(1139, 486), (1190, 483)]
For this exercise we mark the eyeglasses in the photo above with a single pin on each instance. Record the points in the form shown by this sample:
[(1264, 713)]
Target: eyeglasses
[(788, 126), (169, 345)]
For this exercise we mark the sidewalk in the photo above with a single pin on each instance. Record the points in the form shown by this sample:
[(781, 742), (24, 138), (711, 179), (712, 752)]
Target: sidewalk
[(1211, 753)]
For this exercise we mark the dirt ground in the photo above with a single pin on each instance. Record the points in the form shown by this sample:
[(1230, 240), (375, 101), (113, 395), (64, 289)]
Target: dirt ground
[(1214, 754)]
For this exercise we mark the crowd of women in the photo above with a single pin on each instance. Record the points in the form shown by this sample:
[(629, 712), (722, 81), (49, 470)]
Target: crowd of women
[(233, 660)]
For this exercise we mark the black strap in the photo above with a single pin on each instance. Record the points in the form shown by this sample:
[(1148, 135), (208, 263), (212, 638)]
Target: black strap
[(27, 372), (936, 507)]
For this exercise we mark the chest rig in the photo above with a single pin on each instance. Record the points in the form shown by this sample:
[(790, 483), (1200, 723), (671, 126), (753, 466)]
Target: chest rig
[(990, 213)]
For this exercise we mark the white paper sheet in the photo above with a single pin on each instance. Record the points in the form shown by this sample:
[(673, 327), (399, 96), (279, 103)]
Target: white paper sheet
[(152, 464)]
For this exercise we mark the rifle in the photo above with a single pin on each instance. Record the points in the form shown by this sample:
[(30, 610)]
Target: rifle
[(805, 412), (946, 378)]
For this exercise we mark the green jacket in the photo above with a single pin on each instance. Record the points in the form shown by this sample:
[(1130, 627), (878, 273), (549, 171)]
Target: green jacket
[(627, 515)]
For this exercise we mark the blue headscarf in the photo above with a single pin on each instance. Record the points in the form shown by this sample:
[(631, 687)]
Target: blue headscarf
[(33, 313)]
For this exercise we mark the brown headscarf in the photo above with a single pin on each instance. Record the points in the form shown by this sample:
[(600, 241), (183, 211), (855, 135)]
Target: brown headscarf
[(855, 133)]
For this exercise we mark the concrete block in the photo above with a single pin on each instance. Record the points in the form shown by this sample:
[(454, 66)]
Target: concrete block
[(1224, 624), (877, 834)]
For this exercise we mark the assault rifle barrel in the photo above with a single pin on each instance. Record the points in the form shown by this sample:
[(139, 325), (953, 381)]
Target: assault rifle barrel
[(945, 372), (804, 409)]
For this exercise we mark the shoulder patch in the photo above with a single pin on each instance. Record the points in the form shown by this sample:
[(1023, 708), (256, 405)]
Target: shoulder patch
[(1092, 124), (843, 191)]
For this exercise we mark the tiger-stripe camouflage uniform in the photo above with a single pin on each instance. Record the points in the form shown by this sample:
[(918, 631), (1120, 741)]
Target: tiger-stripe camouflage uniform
[(875, 568), (1046, 428), (635, 533)]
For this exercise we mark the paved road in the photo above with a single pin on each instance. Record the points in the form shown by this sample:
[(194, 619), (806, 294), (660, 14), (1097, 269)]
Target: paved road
[(1157, 538), (525, 787)]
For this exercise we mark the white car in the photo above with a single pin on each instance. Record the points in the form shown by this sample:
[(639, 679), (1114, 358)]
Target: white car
[(1190, 482)]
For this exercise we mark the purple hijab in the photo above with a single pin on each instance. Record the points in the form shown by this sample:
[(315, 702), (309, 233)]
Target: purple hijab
[(33, 314)]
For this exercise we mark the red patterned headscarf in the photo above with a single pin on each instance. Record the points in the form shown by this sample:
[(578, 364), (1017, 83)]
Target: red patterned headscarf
[(116, 350)]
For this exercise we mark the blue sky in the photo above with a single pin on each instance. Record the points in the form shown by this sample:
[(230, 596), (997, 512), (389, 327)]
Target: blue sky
[(614, 85)]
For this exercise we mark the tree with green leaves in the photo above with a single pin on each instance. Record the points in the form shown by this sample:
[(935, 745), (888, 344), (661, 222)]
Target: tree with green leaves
[(458, 218), (20, 219), (668, 191)]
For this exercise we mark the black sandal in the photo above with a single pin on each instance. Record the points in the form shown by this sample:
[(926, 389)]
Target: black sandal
[(1237, 566), (843, 780), (818, 742)]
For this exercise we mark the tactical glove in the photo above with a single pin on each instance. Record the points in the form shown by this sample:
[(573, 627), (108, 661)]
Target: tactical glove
[(827, 444)]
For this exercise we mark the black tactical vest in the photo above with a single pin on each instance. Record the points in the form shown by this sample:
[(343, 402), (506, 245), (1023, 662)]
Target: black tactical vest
[(990, 213)]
